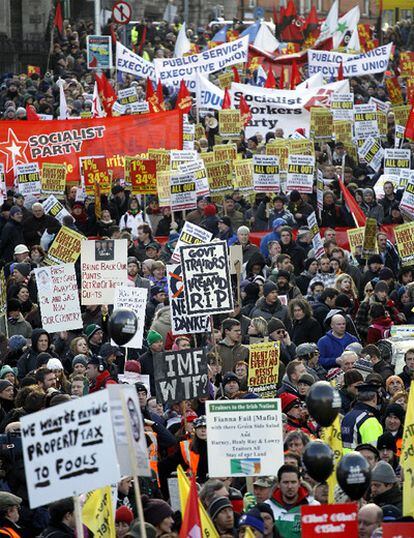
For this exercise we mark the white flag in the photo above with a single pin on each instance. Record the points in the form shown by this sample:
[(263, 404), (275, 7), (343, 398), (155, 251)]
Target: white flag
[(312, 82), (96, 103), (353, 43), (208, 95), (347, 23), (182, 45), (264, 40), (330, 24), (63, 107)]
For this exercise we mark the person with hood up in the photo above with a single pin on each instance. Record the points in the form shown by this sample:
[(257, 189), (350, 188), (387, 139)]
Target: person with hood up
[(274, 235), (299, 209), (210, 219), (226, 232), (41, 343), (305, 277)]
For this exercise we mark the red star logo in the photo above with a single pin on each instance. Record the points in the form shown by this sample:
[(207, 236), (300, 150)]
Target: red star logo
[(14, 149)]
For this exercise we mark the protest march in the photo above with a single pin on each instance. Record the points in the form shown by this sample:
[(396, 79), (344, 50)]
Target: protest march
[(207, 275)]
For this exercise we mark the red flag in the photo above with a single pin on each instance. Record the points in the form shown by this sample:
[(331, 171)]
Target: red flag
[(191, 526), (160, 95), (152, 98), (352, 204), (245, 113), (106, 93), (311, 22), (291, 25), (295, 77), (31, 113), (282, 79), (226, 100), (58, 20), (184, 101), (236, 74), (340, 75), (143, 39), (409, 128), (270, 80)]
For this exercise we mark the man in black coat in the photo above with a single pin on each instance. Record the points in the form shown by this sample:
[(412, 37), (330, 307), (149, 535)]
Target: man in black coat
[(62, 522), (12, 234), (35, 225)]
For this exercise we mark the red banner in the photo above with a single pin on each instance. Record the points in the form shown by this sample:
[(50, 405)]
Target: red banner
[(334, 520), (397, 530), (65, 141)]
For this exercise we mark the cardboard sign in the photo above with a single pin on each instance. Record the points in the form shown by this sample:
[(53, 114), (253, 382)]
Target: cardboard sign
[(179, 157), (162, 157), (207, 283), (103, 269), (66, 247), (300, 174), (183, 192), (188, 134), (69, 449), (266, 173), (401, 114), (343, 131), (317, 243), (229, 123), (372, 153), (225, 152), (243, 175), (321, 124), (366, 123), (264, 368), (58, 298), (279, 148), (53, 178), (394, 90), (181, 375), (301, 146), (335, 521), (219, 177), (244, 437), (369, 245), (99, 51), (396, 160), (198, 172), (356, 239), (56, 209), (134, 299), (95, 170), (181, 323), (404, 238), (342, 106), (164, 188), (407, 64), (407, 200), (143, 176), (190, 234), (28, 178)]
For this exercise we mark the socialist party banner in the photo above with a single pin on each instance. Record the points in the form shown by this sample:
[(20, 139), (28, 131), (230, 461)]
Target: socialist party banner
[(288, 109), (181, 375), (129, 62), (69, 449), (65, 141), (173, 70), (207, 283)]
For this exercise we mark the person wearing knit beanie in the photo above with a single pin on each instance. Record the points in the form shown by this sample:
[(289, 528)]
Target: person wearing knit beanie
[(158, 513), (7, 372), (268, 288), (394, 419), (79, 364), (123, 519), (210, 210), (222, 514), (153, 338), (266, 513), (252, 519)]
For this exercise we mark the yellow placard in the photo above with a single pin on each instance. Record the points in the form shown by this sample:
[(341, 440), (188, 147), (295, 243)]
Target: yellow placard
[(229, 123), (264, 368), (53, 178), (243, 174), (65, 248), (97, 512), (321, 124), (219, 177), (404, 237)]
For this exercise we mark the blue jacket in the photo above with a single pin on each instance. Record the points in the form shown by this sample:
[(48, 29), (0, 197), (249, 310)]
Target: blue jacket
[(331, 347)]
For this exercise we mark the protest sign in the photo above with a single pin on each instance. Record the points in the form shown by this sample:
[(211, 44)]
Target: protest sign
[(134, 299), (245, 437), (264, 368), (3, 293), (407, 200), (229, 123), (188, 134), (162, 157), (69, 449), (190, 234), (406, 64), (95, 171), (321, 124), (219, 177), (99, 52), (300, 173), (65, 248), (280, 148), (58, 298), (333, 520), (129, 62), (126, 412), (342, 106), (317, 243), (410, 90), (225, 79), (173, 70), (181, 375), (98, 512), (366, 123), (198, 172), (181, 323), (404, 331), (103, 269), (243, 175), (207, 283), (343, 131), (225, 152), (301, 146), (404, 238), (397, 530), (379, 105), (396, 160), (53, 178), (53, 207), (326, 62), (236, 259), (356, 240), (372, 153), (319, 191), (266, 173), (183, 192), (128, 96), (368, 63), (369, 245), (28, 178), (142, 175), (179, 157), (394, 91), (164, 188)]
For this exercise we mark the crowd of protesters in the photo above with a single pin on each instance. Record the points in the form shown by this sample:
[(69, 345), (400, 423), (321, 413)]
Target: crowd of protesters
[(331, 315)]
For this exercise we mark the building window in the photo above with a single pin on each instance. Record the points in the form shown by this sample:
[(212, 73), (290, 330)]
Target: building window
[(319, 6), (366, 8)]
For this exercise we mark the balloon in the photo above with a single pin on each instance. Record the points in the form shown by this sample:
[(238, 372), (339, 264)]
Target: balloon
[(318, 460), (354, 475), (323, 403), (123, 325)]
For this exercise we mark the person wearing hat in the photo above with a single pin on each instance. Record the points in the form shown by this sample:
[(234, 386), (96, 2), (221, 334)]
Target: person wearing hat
[(12, 234), (269, 306), (79, 364), (197, 215), (155, 343), (222, 515), (226, 232), (95, 336), (374, 266), (266, 513), (369, 452), (370, 206), (278, 211), (98, 374), (348, 392), (274, 235), (292, 407), (16, 324), (303, 280), (283, 277), (230, 349), (230, 387), (9, 515), (362, 424), (157, 300), (231, 210), (21, 255), (387, 449), (133, 218), (308, 352), (111, 354), (253, 521), (384, 486), (62, 521), (394, 418), (263, 487), (304, 384), (124, 516), (118, 202), (133, 268)]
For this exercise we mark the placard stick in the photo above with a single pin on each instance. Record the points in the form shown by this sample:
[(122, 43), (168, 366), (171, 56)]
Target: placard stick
[(238, 275), (133, 461), (78, 516)]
